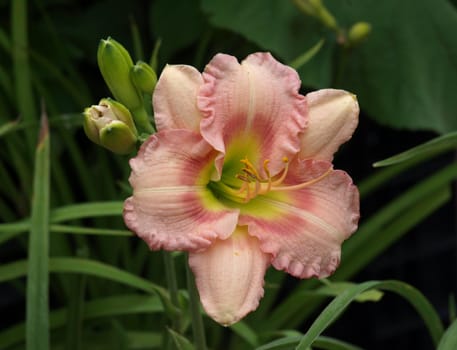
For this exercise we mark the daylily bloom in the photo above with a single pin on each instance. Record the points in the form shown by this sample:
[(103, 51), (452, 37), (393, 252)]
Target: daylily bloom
[(239, 174)]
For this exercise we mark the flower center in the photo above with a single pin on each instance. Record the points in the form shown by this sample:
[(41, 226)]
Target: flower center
[(254, 184)]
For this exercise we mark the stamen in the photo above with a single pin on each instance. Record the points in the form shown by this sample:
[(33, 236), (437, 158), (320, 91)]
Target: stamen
[(284, 173), (254, 184), (249, 167), (267, 172), (243, 177), (250, 175), (302, 185)]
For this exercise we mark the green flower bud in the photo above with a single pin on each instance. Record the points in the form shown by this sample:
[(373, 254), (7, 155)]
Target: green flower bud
[(110, 124), (115, 64), (321, 13), (144, 77), (359, 32)]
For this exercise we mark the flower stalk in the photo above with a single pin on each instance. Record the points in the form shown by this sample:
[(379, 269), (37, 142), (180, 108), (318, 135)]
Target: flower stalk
[(197, 322), (170, 273)]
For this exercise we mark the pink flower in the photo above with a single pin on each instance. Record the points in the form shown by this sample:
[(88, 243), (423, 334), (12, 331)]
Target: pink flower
[(239, 175)]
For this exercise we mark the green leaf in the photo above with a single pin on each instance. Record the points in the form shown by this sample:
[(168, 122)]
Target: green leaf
[(281, 344), (198, 329), (86, 210), (246, 333), (37, 313), (336, 288), (8, 127), (143, 340), (70, 212), (394, 89), (104, 307), (9, 231), (333, 344), (341, 302), (92, 268), (449, 339), (88, 230), (276, 26), (391, 87), (181, 343), (426, 150), (307, 55), (167, 23), (394, 220), (288, 343)]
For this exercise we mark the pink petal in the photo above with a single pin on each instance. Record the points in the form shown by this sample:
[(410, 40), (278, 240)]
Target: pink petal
[(333, 117), (175, 98), (171, 208), (257, 101), (230, 276), (305, 232)]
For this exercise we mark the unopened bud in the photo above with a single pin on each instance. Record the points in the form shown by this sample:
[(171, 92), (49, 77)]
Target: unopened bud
[(115, 65), (143, 77), (359, 32), (323, 14), (110, 124)]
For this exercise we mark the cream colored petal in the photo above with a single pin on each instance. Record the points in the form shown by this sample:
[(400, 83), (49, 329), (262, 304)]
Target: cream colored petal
[(171, 208), (256, 101), (230, 276), (333, 117), (175, 98), (305, 228)]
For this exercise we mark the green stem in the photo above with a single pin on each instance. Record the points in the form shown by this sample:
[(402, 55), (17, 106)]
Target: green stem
[(142, 121), (136, 38), (22, 75), (341, 66), (197, 322), (170, 273)]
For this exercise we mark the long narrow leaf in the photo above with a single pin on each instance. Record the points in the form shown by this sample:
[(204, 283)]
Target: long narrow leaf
[(246, 333), (449, 339), (399, 207), (86, 210), (103, 307), (307, 56), (430, 148), (88, 231), (340, 303), (294, 309), (320, 343), (8, 127), (92, 268), (391, 232), (37, 322), (70, 212), (74, 326)]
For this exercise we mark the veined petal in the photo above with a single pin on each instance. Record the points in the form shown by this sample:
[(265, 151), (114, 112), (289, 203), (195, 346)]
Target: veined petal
[(171, 207), (333, 117), (256, 100), (175, 98), (305, 228), (230, 276)]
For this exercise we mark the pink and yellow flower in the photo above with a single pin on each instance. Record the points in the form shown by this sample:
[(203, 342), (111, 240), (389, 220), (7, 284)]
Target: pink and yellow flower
[(239, 174)]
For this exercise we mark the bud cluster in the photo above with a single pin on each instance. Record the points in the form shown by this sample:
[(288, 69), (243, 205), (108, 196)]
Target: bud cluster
[(112, 123)]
